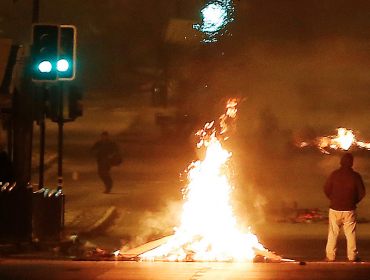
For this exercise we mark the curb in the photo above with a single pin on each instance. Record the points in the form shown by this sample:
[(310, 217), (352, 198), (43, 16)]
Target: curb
[(47, 253)]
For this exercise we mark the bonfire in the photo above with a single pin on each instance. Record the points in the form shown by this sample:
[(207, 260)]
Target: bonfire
[(208, 229)]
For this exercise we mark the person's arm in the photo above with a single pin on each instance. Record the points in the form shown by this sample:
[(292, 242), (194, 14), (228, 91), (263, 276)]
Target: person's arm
[(361, 192), (114, 150), (94, 149), (328, 186)]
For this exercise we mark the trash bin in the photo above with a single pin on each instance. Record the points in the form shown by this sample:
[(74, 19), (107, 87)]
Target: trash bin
[(48, 215)]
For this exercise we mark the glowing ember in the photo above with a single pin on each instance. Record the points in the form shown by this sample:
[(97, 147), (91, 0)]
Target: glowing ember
[(208, 230), (116, 253), (344, 140)]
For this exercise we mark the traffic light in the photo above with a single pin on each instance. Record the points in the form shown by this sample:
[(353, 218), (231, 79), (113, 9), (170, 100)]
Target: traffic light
[(45, 46), (52, 103), (53, 52), (66, 65), (75, 103)]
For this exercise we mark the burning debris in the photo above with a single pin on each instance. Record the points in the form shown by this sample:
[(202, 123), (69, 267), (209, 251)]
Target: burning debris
[(289, 215), (344, 140), (208, 230)]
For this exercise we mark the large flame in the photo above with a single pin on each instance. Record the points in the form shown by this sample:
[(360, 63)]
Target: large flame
[(208, 230), (344, 140)]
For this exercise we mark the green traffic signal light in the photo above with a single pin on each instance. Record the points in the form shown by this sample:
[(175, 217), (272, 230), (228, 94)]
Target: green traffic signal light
[(63, 65), (45, 66), (45, 45), (67, 53), (53, 52)]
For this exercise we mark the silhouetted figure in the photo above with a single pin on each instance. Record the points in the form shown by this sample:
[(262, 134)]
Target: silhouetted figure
[(345, 189), (106, 152), (6, 168)]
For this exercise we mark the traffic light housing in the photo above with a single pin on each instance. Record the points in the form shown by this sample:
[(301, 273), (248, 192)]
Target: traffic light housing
[(66, 65), (75, 103), (53, 52), (52, 106), (45, 47)]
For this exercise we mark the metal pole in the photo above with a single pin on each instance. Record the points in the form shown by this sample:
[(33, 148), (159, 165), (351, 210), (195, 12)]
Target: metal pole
[(60, 155), (35, 19), (60, 137), (42, 137)]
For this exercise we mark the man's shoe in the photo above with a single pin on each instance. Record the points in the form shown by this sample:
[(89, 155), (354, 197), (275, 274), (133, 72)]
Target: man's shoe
[(357, 259), (328, 260)]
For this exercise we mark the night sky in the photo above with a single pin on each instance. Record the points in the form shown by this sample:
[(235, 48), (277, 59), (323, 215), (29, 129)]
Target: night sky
[(302, 68), (117, 37)]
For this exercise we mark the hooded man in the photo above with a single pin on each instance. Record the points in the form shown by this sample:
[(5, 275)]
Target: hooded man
[(104, 150), (345, 189)]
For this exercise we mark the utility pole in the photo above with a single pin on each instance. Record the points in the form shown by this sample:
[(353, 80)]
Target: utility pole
[(35, 19), (20, 227), (42, 136), (60, 135)]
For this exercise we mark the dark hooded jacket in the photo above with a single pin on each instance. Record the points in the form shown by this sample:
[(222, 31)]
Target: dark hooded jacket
[(344, 187)]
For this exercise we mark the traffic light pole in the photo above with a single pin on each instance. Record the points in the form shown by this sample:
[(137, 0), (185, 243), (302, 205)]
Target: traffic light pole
[(60, 136), (54, 59), (42, 123), (42, 137), (35, 19), (60, 155)]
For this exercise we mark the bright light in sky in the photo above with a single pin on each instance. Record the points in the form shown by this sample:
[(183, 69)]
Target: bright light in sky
[(216, 15)]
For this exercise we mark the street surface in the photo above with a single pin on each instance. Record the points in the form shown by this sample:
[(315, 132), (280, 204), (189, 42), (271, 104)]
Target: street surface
[(301, 70), (146, 184), (148, 198), (60, 270)]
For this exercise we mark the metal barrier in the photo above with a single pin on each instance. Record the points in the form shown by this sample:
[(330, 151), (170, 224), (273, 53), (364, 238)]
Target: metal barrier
[(7, 211), (48, 215), (15, 213)]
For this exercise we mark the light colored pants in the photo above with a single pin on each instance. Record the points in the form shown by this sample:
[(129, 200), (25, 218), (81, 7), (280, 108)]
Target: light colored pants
[(337, 219)]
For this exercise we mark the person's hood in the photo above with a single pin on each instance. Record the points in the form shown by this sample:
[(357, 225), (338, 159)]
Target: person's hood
[(347, 160)]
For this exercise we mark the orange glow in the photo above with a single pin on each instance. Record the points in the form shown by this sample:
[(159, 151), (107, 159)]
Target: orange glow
[(208, 230)]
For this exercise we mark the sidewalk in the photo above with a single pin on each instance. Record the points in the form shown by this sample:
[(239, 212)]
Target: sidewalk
[(142, 185), (77, 223)]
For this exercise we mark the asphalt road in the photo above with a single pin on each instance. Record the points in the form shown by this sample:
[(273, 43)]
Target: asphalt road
[(147, 190), (46, 270)]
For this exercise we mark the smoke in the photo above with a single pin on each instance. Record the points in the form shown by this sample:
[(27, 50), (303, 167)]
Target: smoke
[(293, 91), (149, 226)]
